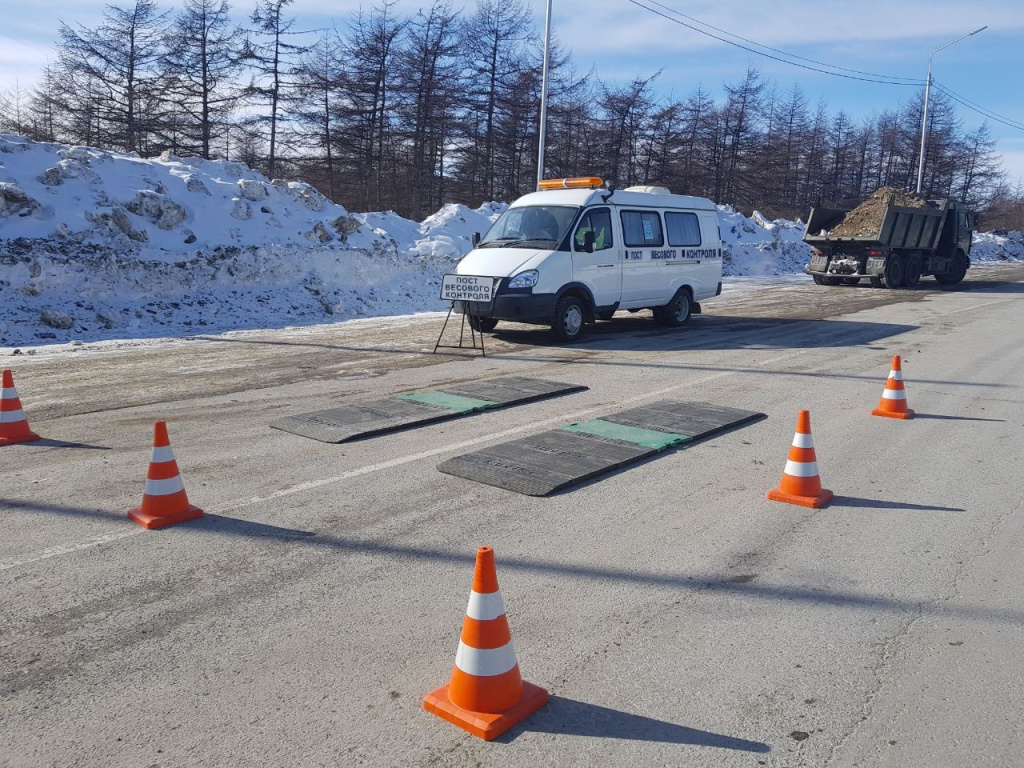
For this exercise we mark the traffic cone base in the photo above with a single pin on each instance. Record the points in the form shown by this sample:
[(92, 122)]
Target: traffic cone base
[(191, 512), (814, 502), (28, 437), (907, 414), (484, 724)]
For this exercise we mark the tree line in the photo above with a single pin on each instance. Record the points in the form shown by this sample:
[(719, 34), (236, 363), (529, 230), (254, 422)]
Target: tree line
[(407, 111)]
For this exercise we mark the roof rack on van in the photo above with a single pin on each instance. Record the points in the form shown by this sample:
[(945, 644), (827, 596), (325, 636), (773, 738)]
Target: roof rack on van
[(579, 182)]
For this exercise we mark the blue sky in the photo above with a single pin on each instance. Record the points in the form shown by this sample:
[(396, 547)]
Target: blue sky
[(620, 41)]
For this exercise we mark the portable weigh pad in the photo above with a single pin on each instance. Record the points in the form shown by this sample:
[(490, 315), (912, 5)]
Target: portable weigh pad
[(552, 461), (696, 420), (352, 422)]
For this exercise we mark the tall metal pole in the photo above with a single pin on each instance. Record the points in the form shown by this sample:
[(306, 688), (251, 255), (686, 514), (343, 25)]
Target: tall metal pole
[(924, 119), (544, 95)]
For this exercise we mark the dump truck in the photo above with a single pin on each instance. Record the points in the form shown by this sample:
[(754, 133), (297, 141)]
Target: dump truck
[(892, 239)]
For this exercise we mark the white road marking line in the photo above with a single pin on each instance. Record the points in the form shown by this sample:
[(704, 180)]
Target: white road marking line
[(974, 306), (64, 549)]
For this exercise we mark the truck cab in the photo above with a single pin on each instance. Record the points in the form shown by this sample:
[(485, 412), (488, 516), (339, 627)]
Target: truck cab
[(577, 251)]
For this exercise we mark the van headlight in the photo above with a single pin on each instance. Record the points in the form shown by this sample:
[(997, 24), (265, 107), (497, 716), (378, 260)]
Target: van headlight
[(526, 279)]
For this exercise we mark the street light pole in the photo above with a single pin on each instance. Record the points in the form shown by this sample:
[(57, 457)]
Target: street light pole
[(544, 95), (927, 89)]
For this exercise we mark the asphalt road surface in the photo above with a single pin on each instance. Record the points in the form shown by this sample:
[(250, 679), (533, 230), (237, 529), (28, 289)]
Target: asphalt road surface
[(677, 617)]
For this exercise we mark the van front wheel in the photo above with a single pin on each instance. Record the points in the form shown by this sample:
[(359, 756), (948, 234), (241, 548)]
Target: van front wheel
[(567, 322), (676, 312), (482, 324)]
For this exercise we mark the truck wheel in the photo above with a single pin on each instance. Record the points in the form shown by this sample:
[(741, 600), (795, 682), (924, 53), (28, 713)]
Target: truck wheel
[(818, 279), (912, 272), (676, 312), (894, 272), (482, 324), (567, 322), (956, 272), (877, 282)]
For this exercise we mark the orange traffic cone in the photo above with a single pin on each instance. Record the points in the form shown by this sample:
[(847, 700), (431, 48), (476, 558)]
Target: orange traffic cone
[(13, 424), (164, 501), (894, 398), (800, 481), (486, 695)]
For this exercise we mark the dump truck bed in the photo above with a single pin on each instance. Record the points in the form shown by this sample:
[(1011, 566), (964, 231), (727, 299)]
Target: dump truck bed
[(900, 227)]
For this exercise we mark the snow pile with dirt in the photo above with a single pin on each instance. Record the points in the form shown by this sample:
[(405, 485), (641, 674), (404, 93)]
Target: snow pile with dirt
[(758, 247), (103, 245)]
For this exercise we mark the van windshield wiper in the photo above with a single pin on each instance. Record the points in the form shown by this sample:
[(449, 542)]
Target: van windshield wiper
[(514, 243)]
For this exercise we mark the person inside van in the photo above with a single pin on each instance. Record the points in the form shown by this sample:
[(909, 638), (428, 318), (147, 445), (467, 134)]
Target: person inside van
[(598, 222), (538, 224)]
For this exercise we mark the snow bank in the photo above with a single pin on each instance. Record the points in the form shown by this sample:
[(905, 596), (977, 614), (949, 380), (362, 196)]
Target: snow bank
[(99, 245), (102, 245), (757, 247), (999, 245)]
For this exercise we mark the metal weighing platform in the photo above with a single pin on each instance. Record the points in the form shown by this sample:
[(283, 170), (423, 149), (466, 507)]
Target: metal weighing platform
[(552, 461), (377, 417)]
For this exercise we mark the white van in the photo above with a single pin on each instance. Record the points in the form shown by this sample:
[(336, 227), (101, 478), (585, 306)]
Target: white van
[(575, 252)]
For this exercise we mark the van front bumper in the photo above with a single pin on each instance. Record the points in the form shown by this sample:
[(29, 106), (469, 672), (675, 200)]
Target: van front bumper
[(524, 307), (516, 307)]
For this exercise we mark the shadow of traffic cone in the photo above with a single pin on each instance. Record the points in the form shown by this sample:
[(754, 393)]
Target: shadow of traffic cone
[(486, 695), (13, 424), (164, 501), (894, 398), (800, 481)]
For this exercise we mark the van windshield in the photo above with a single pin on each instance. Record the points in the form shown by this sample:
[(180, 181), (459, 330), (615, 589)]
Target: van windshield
[(527, 226)]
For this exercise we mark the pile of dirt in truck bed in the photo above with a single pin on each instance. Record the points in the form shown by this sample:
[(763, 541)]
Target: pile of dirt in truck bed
[(866, 219)]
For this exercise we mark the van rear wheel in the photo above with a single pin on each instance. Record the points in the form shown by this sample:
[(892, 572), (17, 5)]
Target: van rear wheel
[(676, 312), (568, 321)]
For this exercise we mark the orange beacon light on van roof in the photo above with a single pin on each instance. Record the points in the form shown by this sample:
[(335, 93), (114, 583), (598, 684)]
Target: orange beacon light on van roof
[(580, 182)]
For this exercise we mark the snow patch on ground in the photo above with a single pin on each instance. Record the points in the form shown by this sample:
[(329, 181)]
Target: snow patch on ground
[(101, 245)]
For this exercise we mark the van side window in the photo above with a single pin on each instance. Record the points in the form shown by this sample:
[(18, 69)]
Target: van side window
[(642, 229), (683, 229), (600, 223)]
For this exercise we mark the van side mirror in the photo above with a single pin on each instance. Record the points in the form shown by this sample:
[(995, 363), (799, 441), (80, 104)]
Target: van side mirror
[(588, 241), (475, 239)]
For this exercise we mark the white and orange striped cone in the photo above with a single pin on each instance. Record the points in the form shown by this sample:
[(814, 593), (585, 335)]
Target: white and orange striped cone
[(13, 424), (486, 694), (164, 501), (800, 481), (894, 397)]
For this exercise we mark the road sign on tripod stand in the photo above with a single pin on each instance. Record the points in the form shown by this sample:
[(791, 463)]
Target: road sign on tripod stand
[(471, 296)]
